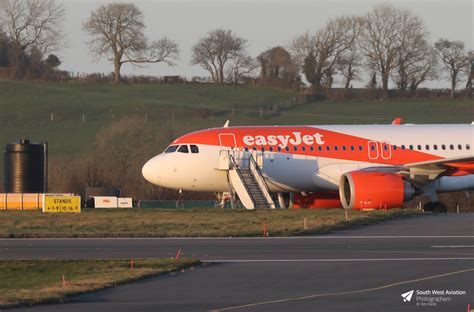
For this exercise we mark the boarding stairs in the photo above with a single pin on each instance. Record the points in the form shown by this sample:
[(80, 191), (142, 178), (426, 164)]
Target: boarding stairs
[(246, 179)]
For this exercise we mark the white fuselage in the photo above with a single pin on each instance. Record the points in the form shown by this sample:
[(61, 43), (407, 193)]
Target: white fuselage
[(311, 167)]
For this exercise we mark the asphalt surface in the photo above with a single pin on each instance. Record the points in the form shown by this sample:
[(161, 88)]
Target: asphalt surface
[(364, 269)]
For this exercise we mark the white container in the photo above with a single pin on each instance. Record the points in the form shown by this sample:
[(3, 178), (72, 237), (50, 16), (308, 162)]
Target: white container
[(105, 202), (125, 203)]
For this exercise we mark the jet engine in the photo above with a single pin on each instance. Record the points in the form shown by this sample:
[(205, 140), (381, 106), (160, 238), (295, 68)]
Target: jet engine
[(374, 190)]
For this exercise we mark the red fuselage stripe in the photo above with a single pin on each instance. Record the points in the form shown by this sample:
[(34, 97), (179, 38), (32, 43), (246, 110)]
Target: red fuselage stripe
[(298, 140)]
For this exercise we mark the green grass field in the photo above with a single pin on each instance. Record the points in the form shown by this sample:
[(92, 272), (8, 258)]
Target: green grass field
[(26, 108), (168, 111), (149, 222), (26, 282)]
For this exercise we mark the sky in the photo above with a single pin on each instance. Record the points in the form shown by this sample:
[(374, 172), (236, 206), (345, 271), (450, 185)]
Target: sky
[(264, 23)]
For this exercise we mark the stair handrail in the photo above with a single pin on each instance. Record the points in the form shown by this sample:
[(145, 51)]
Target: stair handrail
[(262, 183), (236, 167)]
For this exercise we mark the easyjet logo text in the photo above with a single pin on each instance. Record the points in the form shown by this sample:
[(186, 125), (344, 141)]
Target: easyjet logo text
[(284, 140)]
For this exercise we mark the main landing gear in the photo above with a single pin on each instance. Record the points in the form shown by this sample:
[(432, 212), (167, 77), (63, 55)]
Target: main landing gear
[(438, 207)]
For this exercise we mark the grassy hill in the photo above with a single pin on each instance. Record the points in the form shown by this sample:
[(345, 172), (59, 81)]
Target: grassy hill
[(26, 108)]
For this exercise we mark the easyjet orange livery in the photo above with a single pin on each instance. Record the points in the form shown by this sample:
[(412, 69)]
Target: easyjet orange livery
[(357, 167)]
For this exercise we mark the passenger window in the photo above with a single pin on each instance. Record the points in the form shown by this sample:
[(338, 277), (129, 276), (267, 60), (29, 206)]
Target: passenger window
[(279, 148), (443, 147), (303, 148), (419, 147), (468, 147), (352, 148), (246, 149), (295, 148), (194, 149), (287, 149), (320, 148), (385, 148), (171, 149), (395, 147), (311, 148), (451, 147), (427, 147), (254, 148), (328, 148), (404, 147), (344, 148), (271, 149), (336, 148), (361, 148), (411, 147), (435, 147), (459, 147)]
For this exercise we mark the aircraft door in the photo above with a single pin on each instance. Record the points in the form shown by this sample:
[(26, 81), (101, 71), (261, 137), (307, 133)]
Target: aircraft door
[(373, 150), (227, 140), (386, 149), (227, 143)]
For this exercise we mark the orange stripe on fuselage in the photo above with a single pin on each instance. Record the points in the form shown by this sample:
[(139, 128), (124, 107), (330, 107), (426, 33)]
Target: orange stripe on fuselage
[(294, 136)]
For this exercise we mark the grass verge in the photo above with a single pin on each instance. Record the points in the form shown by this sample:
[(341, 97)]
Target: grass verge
[(187, 222), (26, 282)]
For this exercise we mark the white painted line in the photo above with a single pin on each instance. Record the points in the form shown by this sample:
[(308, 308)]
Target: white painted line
[(350, 292), (332, 260), (242, 238), (454, 246)]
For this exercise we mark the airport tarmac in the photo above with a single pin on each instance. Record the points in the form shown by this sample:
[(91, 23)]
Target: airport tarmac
[(364, 269)]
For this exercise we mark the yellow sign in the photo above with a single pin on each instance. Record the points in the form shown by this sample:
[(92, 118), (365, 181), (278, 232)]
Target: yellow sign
[(62, 204)]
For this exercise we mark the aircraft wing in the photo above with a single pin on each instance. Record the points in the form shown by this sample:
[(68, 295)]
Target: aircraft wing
[(422, 172), (465, 163)]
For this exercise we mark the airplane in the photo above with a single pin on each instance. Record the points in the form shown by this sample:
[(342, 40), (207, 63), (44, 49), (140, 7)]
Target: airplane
[(351, 166), (407, 296)]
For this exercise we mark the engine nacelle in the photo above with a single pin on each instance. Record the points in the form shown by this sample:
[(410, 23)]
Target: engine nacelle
[(373, 190), (317, 200)]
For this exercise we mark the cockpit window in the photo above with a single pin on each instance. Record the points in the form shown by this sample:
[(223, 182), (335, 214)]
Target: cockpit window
[(171, 149), (183, 149), (194, 149)]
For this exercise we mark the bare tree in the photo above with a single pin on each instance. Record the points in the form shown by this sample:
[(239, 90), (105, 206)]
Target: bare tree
[(348, 66), (319, 53), (453, 57), (31, 24), (422, 69), (215, 50), (470, 76), (241, 66), (383, 38), (415, 55), (117, 32)]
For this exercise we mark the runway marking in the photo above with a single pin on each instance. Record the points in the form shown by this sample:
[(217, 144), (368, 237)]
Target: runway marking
[(333, 260), (454, 246), (341, 293), (242, 238)]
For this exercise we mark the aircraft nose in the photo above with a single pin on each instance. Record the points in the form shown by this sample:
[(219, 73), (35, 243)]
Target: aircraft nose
[(151, 170)]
